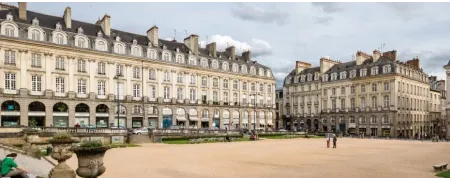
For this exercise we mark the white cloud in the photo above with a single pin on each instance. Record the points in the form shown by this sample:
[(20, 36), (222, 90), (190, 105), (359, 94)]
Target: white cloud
[(258, 47), (253, 13)]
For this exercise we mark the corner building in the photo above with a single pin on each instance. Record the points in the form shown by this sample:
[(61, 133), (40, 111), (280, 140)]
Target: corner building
[(375, 95), (56, 71)]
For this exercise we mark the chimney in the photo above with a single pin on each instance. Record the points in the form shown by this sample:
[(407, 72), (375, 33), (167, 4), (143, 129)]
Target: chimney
[(192, 43), (152, 35), (361, 57), (376, 55), (300, 66), (231, 52), (211, 47), (105, 23), (68, 17), (326, 63), (23, 11), (414, 63), (392, 55), (247, 56)]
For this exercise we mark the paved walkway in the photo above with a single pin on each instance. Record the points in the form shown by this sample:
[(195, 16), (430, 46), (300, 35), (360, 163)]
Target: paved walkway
[(278, 158)]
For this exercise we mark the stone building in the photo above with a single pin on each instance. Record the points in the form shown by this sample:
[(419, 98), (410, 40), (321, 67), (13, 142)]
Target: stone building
[(57, 71), (374, 95), (279, 109)]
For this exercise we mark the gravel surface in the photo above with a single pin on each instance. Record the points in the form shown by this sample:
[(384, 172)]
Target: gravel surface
[(299, 157)]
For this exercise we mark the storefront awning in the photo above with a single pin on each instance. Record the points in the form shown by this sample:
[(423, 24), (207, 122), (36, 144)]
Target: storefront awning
[(181, 118), (205, 119), (193, 118)]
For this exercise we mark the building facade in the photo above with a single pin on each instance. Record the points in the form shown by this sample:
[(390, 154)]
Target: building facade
[(279, 109), (375, 95), (60, 72)]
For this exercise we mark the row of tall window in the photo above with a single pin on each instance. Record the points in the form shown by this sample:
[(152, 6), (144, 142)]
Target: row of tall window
[(361, 120), (374, 88), (362, 73), (362, 103)]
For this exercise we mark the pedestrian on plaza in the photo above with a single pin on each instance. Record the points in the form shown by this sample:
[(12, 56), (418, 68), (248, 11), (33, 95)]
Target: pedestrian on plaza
[(334, 141), (328, 141)]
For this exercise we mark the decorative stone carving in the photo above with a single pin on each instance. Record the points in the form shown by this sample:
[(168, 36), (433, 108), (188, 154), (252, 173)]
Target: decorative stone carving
[(9, 17), (90, 161), (31, 137), (80, 30), (61, 152), (35, 22), (99, 34), (58, 26)]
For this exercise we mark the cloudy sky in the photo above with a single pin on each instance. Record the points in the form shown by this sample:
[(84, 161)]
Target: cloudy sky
[(278, 34)]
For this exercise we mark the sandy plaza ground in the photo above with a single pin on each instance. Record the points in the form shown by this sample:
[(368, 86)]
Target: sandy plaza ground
[(278, 158)]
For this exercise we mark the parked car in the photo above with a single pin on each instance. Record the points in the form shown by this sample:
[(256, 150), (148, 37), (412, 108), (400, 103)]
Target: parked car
[(142, 130), (115, 127)]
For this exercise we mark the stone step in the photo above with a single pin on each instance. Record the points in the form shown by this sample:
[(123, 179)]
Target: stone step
[(38, 167)]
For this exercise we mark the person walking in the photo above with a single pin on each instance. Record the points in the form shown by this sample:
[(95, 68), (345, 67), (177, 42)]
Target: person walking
[(328, 141), (334, 141)]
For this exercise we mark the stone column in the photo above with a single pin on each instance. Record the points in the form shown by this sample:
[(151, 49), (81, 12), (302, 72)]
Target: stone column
[(128, 76), (49, 61), (71, 67), (24, 59), (111, 72)]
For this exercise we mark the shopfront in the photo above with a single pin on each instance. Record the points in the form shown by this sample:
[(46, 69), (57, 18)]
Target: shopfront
[(181, 118), (235, 120), (167, 118), (10, 114), (193, 118), (101, 116), (226, 119), (216, 119), (82, 115), (60, 115)]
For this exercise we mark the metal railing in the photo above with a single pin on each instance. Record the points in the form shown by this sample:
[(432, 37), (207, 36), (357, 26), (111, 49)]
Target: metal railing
[(68, 130)]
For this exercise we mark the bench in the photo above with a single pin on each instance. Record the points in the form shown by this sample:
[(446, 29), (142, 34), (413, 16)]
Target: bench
[(440, 167)]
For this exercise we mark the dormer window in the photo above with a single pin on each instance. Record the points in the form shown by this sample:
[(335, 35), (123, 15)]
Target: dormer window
[(225, 66), (261, 72), (136, 51), (9, 17), (118, 38), (363, 72), (166, 56), (235, 68), (374, 70), (316, 76), (178, 49), (268, 73), (80, 30), (215, 65), (325, 77), (309, 77), (204, 63), (353, 74), (333, 76), (192, 61), (343, 75), (244, 69), (58, 26), (180, 59), (302, 78), (119, 48), (35, 22), (386, 69), (252, 70), (152, 54), (164, 47), (35, 35)]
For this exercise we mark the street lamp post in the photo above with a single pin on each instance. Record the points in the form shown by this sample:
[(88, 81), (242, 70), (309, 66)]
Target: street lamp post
[(118, 101)]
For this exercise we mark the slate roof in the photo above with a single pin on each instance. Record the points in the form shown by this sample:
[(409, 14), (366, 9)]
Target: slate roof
[(48, 22)]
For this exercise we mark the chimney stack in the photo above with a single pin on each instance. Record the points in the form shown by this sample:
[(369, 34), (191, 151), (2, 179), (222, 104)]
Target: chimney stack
[(211, 47), (392, 55), (361, 57), (23, 11), (247, 56), (300, 66), (105, 23), (192, 43), (231, 52), (376, 55), (152, 35), (68, 17)]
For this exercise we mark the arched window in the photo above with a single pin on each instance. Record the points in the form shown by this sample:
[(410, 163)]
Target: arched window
[(166, 56), (152, 74), (121, 110), (385, 120), (152, 54), (192, 61), (362, 120), (81, 43), (137, 109), (235, 68), (119, 49), (225, 66), (101, 46), (59, 39), (373, 120), (204, 63), (352, 119), (180, 59), (252, 70), (136, 51), (244, 69), (10, 31), (205, 113), (35, 35), (215, 65)]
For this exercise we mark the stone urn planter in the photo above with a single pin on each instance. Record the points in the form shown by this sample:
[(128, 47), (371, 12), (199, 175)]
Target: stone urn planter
[(61, 152), (90, 159)]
